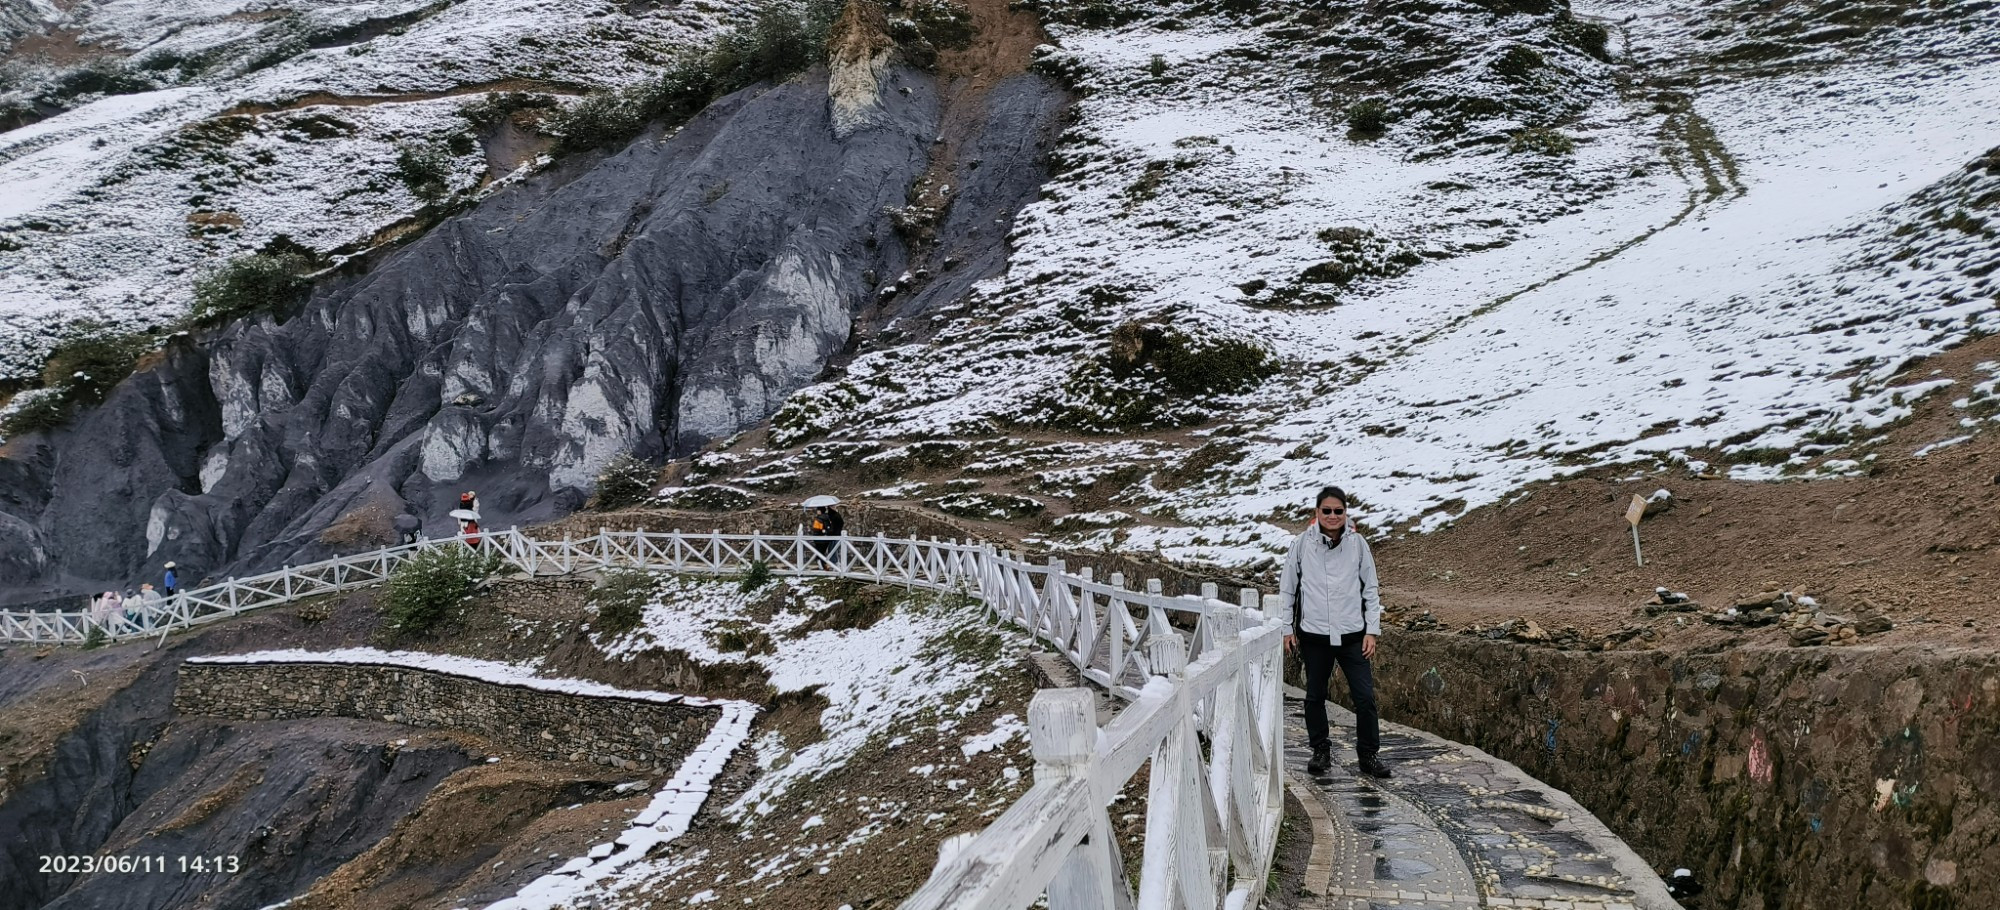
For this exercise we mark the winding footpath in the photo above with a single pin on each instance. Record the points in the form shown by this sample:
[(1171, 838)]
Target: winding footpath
[(1455, 828)]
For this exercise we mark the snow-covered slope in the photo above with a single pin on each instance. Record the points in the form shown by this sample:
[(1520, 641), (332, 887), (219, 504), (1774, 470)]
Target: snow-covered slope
[(233, 124), (923, 712), (1729, 228)]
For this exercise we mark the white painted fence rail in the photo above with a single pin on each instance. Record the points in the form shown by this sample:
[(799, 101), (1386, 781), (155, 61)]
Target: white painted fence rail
[(1211, 816)]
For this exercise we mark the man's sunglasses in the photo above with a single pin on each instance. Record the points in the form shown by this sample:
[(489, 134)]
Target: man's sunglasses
[(1333, 511)]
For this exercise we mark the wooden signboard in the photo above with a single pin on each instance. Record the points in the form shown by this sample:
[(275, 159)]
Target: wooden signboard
[(1633, 513)]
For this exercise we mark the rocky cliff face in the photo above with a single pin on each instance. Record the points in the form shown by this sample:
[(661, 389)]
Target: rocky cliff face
[(670, 294)]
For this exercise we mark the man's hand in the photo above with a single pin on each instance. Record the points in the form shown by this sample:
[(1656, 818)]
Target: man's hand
[(1367, 646), (1291, 644)]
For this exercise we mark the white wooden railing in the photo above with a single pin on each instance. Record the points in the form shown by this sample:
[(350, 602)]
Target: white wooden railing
[(1211, 814)]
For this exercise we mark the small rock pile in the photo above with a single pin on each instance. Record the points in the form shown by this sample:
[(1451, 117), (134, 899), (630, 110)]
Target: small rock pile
[(1665, 601), (1800, 617), (1423, 622)]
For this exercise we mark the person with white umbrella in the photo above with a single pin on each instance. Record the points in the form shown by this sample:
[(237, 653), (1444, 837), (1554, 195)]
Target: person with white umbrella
[(468, 525), (826, 524)]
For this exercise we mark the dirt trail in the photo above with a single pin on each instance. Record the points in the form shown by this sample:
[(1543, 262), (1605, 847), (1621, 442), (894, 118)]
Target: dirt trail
[(1918, 539)]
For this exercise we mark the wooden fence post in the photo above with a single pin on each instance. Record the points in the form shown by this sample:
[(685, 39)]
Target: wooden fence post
[(1174, 871), (1062, 730)]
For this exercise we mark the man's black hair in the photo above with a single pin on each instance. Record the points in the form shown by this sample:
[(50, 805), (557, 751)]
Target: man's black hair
[(1332, 491)]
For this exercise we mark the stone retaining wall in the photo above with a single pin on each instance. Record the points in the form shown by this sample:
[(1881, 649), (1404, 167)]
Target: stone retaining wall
[(630, 733), (1798, 778)]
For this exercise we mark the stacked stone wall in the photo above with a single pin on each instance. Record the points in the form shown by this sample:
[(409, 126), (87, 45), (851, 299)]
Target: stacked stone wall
[(630, 733), (1793, 778)]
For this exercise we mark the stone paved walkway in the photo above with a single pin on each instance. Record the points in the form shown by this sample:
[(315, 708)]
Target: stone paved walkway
[(1455, 828)]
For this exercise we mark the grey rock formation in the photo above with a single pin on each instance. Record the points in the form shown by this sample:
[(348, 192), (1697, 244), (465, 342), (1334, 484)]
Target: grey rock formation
[(665, 296)]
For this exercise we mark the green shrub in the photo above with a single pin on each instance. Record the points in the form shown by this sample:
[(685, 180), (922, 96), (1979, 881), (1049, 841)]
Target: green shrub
[(624, 481), (944, 24), (93, 358), (1518, 63), (500, 107), (34, 409), (1368, 117), (1158, 67), (1541, 140), (1592, 38), (756, 576), (251, 285), (620, 598), (426, 169), (1221, 366), (428, 585), (783, 40), (744, 637), (95, 638), (1359, 253), (1153, 375), (85, 365)]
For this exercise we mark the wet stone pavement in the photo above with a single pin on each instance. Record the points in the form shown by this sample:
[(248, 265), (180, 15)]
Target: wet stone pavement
[(1454, 828)]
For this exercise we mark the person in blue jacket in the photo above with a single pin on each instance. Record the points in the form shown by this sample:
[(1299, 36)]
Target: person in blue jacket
[(170, 582)]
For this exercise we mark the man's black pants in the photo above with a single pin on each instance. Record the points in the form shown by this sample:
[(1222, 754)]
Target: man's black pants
[(1320, 653)]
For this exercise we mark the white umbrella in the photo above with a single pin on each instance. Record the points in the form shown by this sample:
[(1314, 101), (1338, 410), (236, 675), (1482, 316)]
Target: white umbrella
[(465, 514), (821, 500)]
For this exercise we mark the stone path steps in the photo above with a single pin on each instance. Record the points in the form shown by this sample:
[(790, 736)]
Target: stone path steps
[(1455, 828)]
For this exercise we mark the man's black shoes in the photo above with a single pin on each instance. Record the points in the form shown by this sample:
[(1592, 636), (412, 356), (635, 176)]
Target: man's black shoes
[(1322, 761), (1373, 767)]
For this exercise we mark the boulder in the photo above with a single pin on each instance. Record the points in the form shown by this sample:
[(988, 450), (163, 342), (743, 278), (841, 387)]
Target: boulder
[(1874, 624)]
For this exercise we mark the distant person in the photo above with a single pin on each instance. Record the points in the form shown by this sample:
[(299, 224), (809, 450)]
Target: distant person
[(407, 528), (469, 500), (1329, 579), (170, 580), (827, 524)]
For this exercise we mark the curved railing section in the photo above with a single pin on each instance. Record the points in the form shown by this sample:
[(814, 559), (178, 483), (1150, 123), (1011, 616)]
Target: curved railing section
[(1214, 677)]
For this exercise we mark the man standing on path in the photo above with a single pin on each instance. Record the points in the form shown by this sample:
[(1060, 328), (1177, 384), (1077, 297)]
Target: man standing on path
[(171, 581), (1329, 577)]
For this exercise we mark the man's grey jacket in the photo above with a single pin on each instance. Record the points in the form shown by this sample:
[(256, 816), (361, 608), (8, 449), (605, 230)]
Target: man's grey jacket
[(1337, 583)]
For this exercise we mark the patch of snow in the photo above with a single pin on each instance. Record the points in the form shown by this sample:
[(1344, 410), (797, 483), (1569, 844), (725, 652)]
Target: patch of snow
[(1005, 727)]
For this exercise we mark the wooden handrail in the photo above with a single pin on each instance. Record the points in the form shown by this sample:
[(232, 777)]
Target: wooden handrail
[(1212, 820)]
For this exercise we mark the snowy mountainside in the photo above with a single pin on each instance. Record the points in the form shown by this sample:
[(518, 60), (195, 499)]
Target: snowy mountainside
[(175, 137), (1479, 245)]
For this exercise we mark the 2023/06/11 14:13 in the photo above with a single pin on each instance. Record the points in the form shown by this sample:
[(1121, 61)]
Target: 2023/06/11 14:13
[(200, 864)]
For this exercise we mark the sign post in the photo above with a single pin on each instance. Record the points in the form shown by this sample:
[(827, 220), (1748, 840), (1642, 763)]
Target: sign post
[(1633, 513)]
